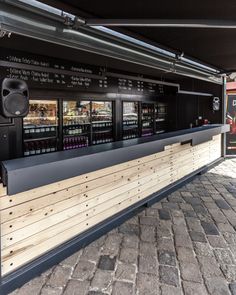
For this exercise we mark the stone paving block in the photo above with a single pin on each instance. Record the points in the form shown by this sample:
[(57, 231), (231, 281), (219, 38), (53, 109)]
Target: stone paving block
[(233, 250), (209, 267), (91, 253), (222, 204), (205, 217), (148, 233), (170, 206), (177, 213), (129, 255), (164, 214), (125, 272), (232, 288), (151, 212), (191, 288), (59, 276), (147, 284), (111, 246), (147, 220), (199, 209), (225, 227), (130, 241), (217, 215), (190, 272), (99, 242), (102, 280), (169, 275), (217, 286), (183, 241), (32, 287), (230, 237), (165, 244), (186, 255), (229, 272), (184, 206), (76, 287), (193, 201), (148, 264), (202, 249), (121, 288), (84, 270), (180, 230), (210, 205), (72, 260), (224, 256), (186, 194), (210, 228), (47, 290), (217, 242), (163, 232), (147, 249), (197, 237), (167, 258), (179, 221), (96, 293), (190, 213), (131, 229), (194, 224), (107, 263), (169, 290)]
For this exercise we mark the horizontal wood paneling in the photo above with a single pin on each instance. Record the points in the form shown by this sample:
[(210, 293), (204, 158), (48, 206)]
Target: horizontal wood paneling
[(38, 220)]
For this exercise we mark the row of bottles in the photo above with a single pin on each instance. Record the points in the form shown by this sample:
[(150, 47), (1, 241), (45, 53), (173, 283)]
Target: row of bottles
[(75, 130), (75, 142), (102, 124), (130, 122), (99, 138), (146, 109), (130, 133), (40, 147), (39, 131)]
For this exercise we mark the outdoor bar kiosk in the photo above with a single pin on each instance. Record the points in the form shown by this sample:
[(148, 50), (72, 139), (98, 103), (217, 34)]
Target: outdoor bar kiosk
[(99, 140)]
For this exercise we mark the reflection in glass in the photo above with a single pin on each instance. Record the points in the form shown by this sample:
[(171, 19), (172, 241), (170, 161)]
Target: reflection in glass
[(102, 125), (130, 120), (76, 124), (40, 127)]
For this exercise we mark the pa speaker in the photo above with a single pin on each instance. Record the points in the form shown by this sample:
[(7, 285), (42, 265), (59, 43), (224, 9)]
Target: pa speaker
[(216, 104), (14, 100)]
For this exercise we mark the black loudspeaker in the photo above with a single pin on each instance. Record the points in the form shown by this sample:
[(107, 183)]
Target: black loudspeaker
[(216, 104), (14, 100)]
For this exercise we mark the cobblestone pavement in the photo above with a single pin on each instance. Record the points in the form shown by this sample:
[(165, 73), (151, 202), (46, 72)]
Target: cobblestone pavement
[(185, 244)]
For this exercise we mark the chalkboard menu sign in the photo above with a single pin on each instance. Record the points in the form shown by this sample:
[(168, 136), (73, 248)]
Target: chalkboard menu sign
[(49, 73)]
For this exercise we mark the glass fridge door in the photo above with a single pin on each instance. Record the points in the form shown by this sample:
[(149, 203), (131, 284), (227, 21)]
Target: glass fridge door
[(102, 123), (76, 124), (130, 120), (40, 127), (161, 117), (147, 110)]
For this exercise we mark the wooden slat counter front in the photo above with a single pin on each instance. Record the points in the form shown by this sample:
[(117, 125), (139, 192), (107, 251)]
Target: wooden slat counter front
[(36, 221)]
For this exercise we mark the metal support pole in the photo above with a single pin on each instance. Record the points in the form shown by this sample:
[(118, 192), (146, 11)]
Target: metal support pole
[(224, 106)]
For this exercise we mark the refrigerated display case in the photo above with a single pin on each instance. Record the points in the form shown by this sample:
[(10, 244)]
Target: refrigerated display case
[(147, 119), (161, 117), (76, 124), (102, 122), (40, 127), (130, 120)]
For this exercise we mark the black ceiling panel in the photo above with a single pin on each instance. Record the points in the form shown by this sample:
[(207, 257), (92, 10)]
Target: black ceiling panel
[(216, 47)]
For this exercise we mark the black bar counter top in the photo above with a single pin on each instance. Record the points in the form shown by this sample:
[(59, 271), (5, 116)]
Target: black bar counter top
[(23, 174)]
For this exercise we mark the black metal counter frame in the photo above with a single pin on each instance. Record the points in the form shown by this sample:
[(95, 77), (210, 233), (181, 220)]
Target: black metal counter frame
[(27, 173)]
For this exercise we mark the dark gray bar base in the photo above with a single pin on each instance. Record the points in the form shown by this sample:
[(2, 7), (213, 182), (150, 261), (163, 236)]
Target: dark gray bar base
[(27, 173)]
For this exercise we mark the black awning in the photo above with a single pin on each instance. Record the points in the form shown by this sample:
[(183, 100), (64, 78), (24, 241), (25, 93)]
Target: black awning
[(216, 47)]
